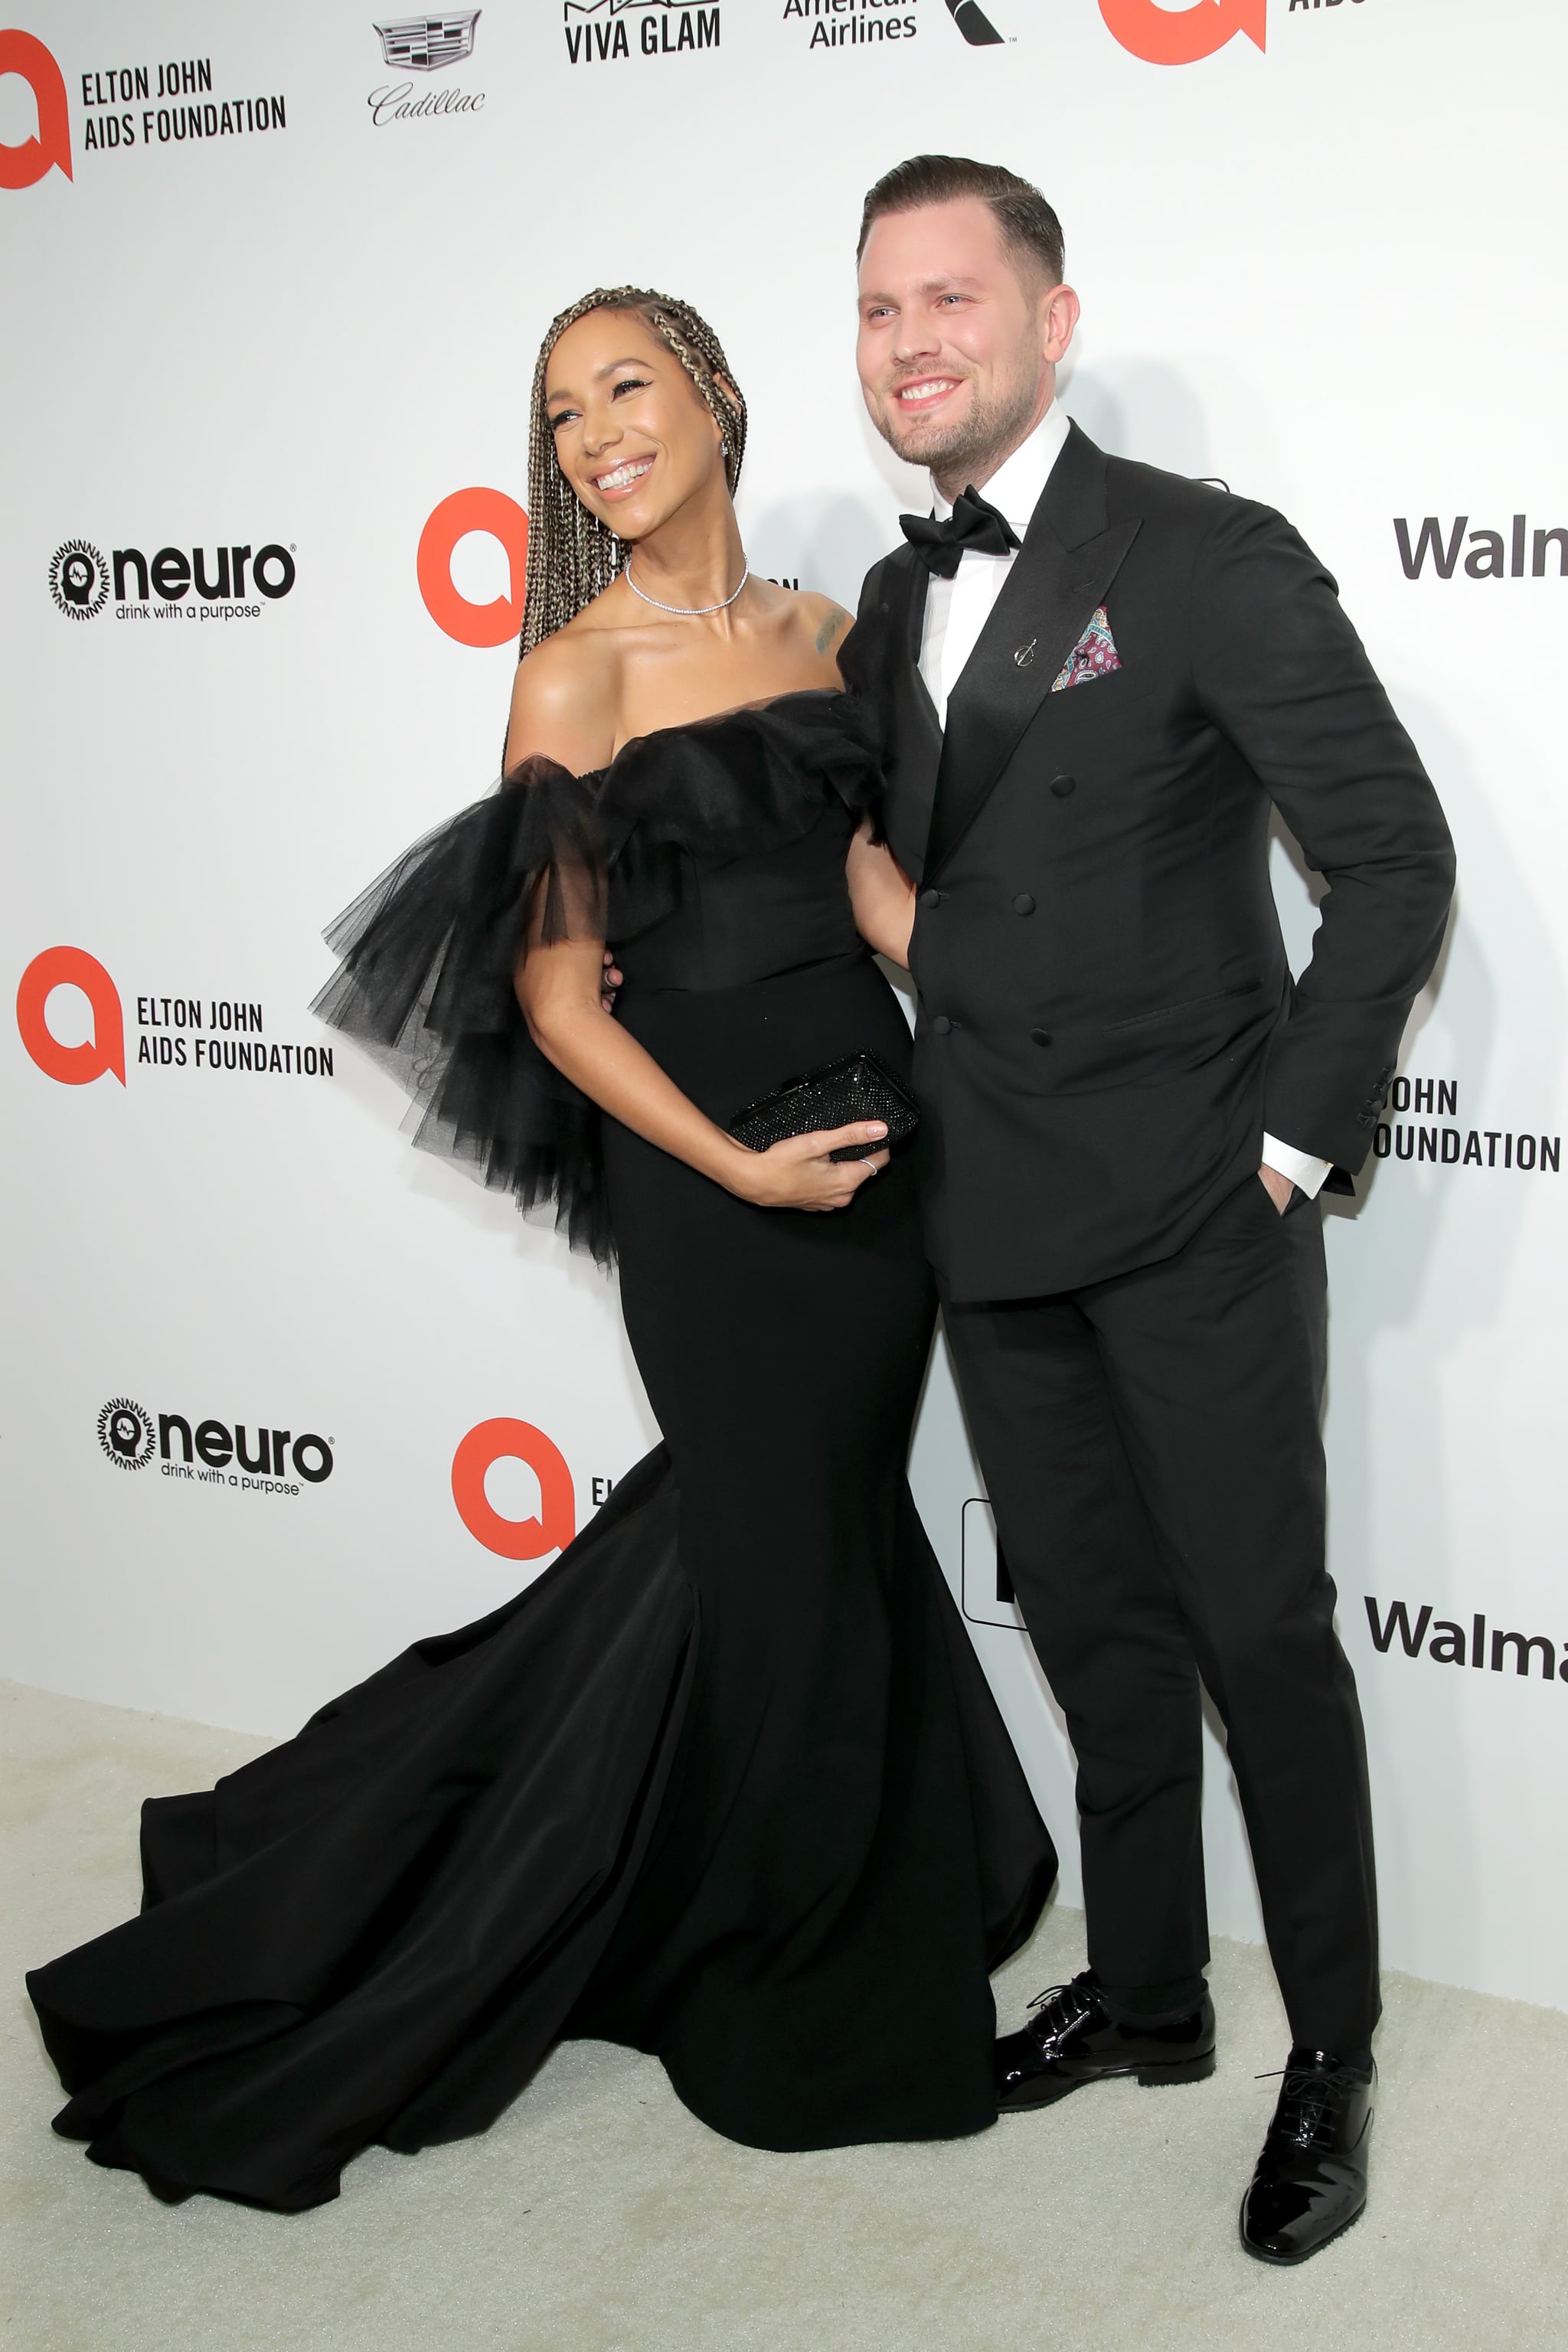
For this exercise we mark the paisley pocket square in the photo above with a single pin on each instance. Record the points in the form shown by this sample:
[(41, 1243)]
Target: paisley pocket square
[(1094, 656)]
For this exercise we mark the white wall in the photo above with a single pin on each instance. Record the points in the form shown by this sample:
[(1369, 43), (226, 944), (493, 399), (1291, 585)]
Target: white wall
[(1325, 270)]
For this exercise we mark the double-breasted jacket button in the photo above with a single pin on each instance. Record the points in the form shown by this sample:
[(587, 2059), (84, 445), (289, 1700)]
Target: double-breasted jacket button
[(1023, 904), (930, 897), (1062, 785), (1040, 1037), (942, 1025)]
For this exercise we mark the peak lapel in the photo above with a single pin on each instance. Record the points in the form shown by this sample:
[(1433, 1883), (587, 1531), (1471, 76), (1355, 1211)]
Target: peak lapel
[(1069, 557)]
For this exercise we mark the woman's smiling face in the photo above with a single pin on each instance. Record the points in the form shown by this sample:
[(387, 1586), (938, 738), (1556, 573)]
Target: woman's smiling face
[(633, 434)]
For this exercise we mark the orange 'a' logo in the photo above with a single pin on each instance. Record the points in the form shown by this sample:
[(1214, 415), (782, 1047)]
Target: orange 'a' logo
[(496, 1441), (1168, 36), (467, 511), (20, 166), (73, 1066)]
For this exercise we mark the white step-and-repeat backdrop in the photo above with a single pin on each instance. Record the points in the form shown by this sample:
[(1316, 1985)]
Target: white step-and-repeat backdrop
[(279, 1393)]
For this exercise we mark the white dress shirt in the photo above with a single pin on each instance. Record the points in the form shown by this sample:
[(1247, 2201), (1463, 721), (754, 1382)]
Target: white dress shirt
[(958, 609)]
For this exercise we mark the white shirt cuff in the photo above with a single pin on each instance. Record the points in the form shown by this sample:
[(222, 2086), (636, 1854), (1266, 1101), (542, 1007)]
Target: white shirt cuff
[(1305, 1172)]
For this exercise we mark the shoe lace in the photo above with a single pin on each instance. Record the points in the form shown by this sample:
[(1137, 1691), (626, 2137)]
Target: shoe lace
[(1061, 2006), (1306, 2099)]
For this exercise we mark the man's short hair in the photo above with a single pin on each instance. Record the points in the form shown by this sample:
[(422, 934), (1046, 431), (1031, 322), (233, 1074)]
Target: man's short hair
[(1030, 229)]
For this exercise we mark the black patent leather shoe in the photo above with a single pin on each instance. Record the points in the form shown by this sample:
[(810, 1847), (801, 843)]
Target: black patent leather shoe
[(1310, 2181), (1072, 2039)]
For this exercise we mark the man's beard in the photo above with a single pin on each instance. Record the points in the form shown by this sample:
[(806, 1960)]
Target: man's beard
[(973, 443)]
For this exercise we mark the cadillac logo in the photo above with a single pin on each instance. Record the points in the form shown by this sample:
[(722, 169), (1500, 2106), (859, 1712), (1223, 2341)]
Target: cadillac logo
[(426, 44)]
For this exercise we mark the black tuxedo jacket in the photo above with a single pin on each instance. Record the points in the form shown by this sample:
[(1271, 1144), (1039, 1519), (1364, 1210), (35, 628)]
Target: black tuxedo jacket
[(1107, 1021)]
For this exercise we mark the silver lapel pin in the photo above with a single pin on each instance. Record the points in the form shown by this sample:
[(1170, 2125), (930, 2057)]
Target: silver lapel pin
[(1025, 654)]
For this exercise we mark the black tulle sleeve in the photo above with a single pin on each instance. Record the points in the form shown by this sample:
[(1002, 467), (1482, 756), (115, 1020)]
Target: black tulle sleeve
[(431, 949), (427, 986)]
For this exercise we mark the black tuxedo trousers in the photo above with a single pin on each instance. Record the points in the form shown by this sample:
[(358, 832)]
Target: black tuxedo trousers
[(1150, 1447)]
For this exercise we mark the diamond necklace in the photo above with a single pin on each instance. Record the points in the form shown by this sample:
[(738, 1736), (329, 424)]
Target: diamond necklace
[(685, 612)]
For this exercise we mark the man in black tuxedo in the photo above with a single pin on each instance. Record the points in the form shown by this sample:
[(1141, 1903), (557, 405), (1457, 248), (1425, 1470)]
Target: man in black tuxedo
[(1096, 681)]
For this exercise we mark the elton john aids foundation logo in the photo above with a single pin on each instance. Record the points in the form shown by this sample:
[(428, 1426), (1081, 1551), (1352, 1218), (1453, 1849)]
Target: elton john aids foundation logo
[(103, 1050), (490, 514), (1180, 36), (125, 1432), (209, 1034), (50, 150), (551, 1528)]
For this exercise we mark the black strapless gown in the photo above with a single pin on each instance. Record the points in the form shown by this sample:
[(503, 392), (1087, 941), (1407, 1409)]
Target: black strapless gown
[(725, 1783)]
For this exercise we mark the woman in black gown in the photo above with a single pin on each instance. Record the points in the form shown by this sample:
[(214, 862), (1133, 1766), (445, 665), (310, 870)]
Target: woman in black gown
[(725, 1783)]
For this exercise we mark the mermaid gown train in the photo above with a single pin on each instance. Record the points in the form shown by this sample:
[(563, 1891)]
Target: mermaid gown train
[(725, 1783)]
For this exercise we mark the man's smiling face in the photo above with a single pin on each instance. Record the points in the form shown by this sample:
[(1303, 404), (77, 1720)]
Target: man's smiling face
[(958, 338)]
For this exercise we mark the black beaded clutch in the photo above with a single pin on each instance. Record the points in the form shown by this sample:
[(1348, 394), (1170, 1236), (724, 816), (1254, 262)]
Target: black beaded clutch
[(860, 1085)]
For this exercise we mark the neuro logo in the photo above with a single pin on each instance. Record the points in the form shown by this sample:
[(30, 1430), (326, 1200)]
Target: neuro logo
[(501, 518), (228, 580), (1172, 37), (518, 1441), (976, 27), (212, 1453), (73, 1066), (51, 149), (426, 44), (125, 1432), (79, 580)]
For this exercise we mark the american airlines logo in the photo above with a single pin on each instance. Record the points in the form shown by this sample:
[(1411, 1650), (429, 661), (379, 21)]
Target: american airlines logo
[(973, 23)]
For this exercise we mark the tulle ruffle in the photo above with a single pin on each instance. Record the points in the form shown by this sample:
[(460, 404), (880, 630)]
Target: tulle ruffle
[(431, 949)]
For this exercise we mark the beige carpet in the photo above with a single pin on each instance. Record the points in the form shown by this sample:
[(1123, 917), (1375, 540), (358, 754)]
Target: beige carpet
[(599, 2217)]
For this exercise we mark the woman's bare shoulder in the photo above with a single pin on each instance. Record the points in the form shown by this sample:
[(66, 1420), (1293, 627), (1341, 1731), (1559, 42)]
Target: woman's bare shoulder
[(827, 623), (564, 699)]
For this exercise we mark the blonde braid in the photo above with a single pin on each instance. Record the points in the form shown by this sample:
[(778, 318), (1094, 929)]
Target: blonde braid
[(573, 557)]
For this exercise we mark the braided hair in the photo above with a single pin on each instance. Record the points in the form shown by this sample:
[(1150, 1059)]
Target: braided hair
[(573, 556)]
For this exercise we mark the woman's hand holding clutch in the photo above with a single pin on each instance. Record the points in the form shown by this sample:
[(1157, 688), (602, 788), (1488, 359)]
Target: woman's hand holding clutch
[(801, 1173)]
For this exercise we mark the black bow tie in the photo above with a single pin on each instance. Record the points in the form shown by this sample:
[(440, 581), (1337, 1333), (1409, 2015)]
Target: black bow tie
[(973, 523)]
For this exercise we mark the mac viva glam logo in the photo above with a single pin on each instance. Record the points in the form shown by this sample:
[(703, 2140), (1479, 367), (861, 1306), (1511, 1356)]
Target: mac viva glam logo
[(602, 32)]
